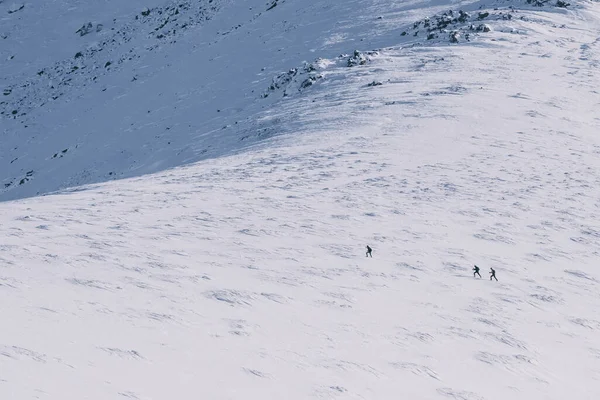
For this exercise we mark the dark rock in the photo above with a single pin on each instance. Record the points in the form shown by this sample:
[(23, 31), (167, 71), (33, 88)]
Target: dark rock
[(85, 29), (357, 59), (16, 8)]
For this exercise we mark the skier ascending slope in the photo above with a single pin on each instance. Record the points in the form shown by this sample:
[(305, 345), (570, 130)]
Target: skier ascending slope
[(493, 274), (369, 250), (476, 269)]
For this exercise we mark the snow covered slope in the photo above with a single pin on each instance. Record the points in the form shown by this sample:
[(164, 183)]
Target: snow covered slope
[(118, 89), (244, 276)]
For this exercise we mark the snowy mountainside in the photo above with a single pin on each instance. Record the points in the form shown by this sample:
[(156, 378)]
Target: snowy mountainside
[(244, 276), (95, 93), (113, 90)]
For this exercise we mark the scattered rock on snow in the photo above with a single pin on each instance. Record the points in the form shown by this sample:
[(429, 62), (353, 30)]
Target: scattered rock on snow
[(538, 3), (454, 35), (308, 82), (15, 7), (298, 79), (357, 59), (463, 16), (174, 18), (85, 29), (282, 80), (272, 5)]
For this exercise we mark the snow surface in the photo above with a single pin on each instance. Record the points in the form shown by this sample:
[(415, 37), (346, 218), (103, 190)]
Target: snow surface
[(243, 275)]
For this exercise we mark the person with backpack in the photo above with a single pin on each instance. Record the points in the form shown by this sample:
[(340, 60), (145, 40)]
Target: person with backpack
[(369, 250), (493, 274), (476, 269)]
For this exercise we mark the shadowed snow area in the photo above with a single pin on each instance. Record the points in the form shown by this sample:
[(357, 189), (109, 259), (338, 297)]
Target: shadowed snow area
[(114, 89), (448, 139)]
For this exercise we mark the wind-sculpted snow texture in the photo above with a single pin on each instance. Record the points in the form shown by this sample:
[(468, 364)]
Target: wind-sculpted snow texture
[(243, 275)]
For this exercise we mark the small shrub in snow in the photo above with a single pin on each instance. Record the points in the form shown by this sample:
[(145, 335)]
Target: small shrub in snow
[(483, 15), (484, 28)]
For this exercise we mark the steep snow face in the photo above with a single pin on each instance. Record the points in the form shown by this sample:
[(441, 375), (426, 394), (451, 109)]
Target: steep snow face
[(117, 89), (245, 277)]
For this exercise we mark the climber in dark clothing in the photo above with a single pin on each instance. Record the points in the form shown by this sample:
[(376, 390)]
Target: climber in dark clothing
[(493, 274), (369, 250), (476, 269)]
